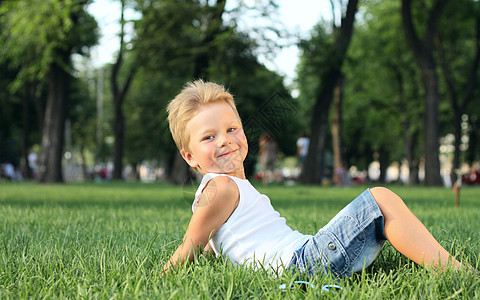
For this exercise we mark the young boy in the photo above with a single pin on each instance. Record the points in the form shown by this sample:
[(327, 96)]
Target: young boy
[(232, 218)]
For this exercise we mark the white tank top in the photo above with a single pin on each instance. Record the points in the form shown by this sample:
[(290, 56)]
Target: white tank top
[(254, 234)]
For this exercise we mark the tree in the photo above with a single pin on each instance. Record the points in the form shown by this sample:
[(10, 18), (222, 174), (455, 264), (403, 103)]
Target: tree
[(146, 119), (54, 30), (28, 90), (458, 47), (422, 49), (10, 117), (162, 75), (328, 77), (382, 85), (183, 40), (83, 117), (336, 128), (175, 35), (118, 94)]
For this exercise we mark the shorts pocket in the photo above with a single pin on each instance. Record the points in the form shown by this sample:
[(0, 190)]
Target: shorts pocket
[(348, 231), (341, 241), (329, 252)]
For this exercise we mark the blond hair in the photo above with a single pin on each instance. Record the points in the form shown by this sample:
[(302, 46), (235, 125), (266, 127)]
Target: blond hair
[(185, 106)]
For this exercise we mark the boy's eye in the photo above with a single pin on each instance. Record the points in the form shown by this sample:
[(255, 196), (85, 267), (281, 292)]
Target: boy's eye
[(231, 129), (208, 137)]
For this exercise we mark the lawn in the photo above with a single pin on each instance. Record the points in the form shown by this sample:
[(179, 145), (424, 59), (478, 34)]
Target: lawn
[(110, 240)]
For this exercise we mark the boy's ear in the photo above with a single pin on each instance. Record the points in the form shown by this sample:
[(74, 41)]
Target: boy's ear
[(189, 158)]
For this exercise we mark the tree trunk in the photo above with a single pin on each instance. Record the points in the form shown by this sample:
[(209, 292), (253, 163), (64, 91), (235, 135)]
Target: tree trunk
[(40, 106), (119, 94), (135, 172), (336, 128), (412, 168), (423, 53), (410, 142), (383, 160), (313, 171), (181, 170), (119, 132), (50, 160), (315, 159), (27, 98), (432, 130)]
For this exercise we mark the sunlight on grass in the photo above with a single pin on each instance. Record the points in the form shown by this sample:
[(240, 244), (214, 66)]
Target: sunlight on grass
[(111, 241)]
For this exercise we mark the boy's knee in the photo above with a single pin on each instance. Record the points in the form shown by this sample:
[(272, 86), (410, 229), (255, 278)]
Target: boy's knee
[(380, 191), (384, 196)]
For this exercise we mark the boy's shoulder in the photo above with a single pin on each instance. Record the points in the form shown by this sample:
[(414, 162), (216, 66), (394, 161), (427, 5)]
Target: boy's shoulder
[(220, 190), (222, 184)]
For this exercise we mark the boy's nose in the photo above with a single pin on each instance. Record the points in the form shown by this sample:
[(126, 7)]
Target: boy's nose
[(223, 140)]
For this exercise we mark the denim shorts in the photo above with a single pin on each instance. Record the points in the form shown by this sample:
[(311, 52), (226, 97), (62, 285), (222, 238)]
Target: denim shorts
[(349, 243)]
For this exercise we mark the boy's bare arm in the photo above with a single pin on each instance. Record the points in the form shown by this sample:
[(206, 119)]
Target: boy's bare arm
[(218, 201)]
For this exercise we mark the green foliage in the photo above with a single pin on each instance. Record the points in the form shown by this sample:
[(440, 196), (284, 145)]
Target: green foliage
[(37, 37), (254, 87), (111, 241), (147, 134), (382, 88), (383, 91), (456, 48), (314, 58), (168, 40), (39, 33), (10, 118), (168, 35), (83, 113), (457, 38)]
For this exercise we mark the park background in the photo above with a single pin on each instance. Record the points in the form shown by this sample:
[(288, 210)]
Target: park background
[(378, 84)]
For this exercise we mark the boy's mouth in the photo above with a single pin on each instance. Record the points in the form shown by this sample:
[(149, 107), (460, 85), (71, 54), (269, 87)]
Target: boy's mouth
[(227, 153)]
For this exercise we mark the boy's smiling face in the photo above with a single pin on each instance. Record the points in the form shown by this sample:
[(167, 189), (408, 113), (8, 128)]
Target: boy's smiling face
[(217, 142)]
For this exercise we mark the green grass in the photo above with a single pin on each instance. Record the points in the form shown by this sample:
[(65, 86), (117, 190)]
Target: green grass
[(111, 240)]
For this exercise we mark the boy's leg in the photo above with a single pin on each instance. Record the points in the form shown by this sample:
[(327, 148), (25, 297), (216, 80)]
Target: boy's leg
[(408, 235)]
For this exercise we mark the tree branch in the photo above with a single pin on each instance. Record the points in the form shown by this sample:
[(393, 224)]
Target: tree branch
[(349, 19), (410, 32), (118, 63), (431, 29), (127, 82), (447, 74)]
